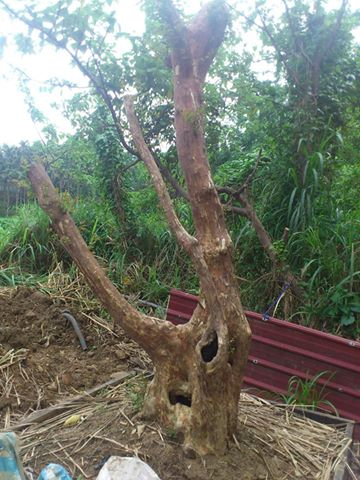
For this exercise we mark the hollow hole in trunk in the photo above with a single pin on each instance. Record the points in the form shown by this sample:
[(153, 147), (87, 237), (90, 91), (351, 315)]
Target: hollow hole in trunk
[(209, 351), (183, 399)]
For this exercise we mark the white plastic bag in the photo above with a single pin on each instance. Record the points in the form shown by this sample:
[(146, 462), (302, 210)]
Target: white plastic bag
[(126, 468)]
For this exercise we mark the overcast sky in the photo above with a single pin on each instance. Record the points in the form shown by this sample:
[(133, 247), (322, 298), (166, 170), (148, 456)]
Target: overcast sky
[(15, 122)]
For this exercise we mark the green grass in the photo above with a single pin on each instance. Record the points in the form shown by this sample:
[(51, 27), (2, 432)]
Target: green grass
[(13, 276), (27, 240), (143, 259), (30, 249), (307, 393)]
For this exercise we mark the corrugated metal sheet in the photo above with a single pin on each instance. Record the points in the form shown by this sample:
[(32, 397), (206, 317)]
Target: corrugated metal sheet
[(280, 350)]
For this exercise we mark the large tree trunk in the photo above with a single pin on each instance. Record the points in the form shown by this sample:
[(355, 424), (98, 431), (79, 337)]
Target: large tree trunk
[(199, 366), (215, 366)]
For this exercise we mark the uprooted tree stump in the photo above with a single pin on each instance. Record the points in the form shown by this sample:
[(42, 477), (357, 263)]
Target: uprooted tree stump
[(199, 366)]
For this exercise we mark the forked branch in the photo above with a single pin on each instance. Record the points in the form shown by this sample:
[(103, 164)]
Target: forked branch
[(194, 47), (183, 237)]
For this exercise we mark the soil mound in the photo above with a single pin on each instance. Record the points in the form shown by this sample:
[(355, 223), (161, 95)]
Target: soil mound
[(41, 357)]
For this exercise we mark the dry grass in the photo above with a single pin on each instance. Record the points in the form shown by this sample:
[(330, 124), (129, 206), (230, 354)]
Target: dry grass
[(61, 287), (76, 293), (12, 356), (314, 449)]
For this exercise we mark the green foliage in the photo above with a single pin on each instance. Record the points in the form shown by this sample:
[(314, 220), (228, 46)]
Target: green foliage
[(330, 273), (13, 276), (307, 393), (149, 267), (28, 242)]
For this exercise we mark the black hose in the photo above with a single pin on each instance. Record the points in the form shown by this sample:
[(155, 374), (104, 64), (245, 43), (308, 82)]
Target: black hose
[(76, 328)]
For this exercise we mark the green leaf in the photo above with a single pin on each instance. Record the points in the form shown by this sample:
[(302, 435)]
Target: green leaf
[(347, 320), (336, 297), (24, 43), (340, 138)]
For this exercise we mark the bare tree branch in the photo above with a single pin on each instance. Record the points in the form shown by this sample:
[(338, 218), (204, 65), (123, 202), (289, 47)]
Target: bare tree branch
[(143, 329), (176, 28), (194, 47), (184, 238), (238, 210), (206, 35)]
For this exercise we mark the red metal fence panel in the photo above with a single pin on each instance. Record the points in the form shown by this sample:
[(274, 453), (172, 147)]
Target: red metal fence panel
[(280, 350)]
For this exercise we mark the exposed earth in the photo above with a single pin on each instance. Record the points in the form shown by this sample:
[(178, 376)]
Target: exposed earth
[(54, 363), (42, 363)]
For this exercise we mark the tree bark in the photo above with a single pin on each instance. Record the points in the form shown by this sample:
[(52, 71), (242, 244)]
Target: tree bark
[(219, 332), (198, 367)]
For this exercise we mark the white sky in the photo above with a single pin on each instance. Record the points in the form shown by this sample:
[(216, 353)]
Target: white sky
[(15, 122)]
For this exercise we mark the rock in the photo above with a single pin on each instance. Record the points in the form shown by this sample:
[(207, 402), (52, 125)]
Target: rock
[(140, 430), (39, 297), (66, 378), (189, 452)]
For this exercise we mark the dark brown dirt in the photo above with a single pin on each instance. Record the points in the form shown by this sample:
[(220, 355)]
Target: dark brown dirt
[(55, 364)]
